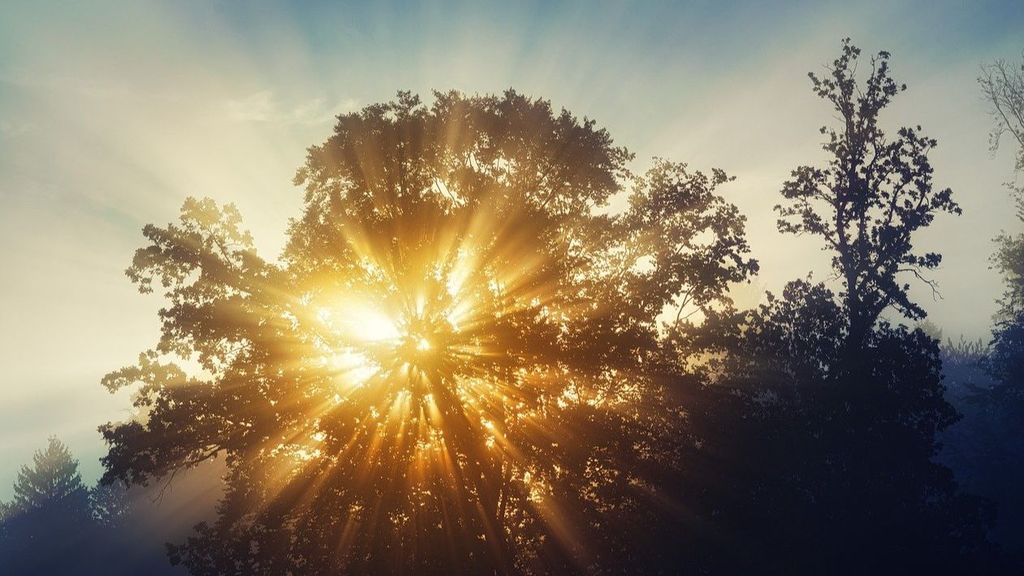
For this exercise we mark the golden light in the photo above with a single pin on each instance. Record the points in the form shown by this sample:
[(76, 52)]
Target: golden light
[(429, 353), (418, 352)]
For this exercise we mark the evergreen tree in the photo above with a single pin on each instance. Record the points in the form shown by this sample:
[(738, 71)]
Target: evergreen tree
[(49, 527), (52, 479)]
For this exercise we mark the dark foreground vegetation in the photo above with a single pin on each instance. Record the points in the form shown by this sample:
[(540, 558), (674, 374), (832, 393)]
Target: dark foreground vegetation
[(553, 389)]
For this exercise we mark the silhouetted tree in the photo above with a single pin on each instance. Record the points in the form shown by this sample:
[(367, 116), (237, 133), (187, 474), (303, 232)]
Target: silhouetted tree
[(48, 524), (821, 449), (56, 525), (451, 369), (52, 479), (870, 198)]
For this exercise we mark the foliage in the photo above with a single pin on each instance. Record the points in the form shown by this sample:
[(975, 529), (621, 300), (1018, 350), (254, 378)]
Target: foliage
[(57, 525), (872, 196), (52, 479), (463, 363), (823, 416), (452, 367), (49, 518), (821, 471)]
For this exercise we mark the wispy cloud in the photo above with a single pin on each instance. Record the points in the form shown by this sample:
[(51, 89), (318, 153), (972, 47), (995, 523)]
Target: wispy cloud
[(265, 107), (14, 128)]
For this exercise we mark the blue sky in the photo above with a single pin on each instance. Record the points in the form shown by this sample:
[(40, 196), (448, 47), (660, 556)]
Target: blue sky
[(112, 112)]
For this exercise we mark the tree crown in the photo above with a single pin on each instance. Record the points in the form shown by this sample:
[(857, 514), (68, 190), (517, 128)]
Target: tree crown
[(871, 197)]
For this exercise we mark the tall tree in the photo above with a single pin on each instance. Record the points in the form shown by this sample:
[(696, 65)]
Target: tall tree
[(1002, 84), (824, 441), (448, 370), (871, 197)]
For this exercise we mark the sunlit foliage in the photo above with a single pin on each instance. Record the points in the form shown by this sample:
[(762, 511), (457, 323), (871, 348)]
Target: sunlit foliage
[(451, 367)]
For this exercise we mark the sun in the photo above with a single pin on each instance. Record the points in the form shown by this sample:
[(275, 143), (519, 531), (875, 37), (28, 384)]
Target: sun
[(414, 331), (415, 356)]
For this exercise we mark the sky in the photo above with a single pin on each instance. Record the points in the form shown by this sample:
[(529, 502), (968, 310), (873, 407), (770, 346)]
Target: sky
[(111, 113)]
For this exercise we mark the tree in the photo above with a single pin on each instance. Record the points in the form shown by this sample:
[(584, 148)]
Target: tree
[(1002, 84), (822, 416), (53, 479), (47, 525), (451, 369), (875, 193), (56, 525)]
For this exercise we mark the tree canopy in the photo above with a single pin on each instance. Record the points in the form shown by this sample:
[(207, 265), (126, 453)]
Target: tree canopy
[(875, 192), (825, 440), (491, 346), (451, 367)]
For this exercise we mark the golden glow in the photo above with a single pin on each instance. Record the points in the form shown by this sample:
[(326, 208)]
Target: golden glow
[(414, 341), (438, 366)]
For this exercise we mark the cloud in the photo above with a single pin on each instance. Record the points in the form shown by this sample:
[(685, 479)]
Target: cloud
[(14, 128), (265, 107)]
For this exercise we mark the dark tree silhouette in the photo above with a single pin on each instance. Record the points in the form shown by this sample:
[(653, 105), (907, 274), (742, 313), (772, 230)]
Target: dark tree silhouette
[(822, 417), (872, 196), (451, 369)]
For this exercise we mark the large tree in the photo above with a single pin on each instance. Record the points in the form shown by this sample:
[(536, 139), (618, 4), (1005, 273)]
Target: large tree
[(450, 368), (1002, 83)]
